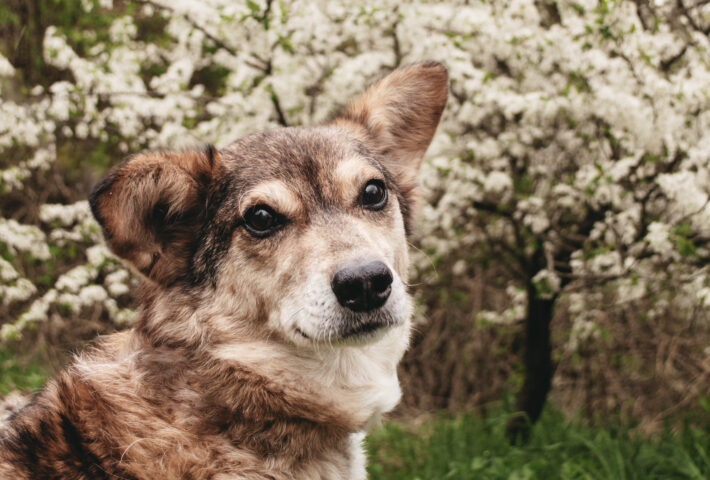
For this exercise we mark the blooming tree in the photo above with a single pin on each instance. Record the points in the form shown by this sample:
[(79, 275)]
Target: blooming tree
[(574, 152), (583, 152)]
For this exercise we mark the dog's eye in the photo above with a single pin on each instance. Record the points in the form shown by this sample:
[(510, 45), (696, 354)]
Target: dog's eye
[(374, 195), (261, 221)]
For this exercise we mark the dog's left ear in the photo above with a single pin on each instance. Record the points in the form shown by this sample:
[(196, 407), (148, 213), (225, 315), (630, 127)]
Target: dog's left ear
[(398, 116), (152, 207)]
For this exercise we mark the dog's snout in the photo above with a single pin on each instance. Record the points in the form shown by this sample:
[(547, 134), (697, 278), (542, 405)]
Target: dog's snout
[(363, 287)]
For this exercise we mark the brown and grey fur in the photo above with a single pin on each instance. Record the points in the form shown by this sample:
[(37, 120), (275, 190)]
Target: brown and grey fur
[(241, 364)]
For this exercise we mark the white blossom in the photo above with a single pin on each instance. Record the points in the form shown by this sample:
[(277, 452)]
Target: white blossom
[(658, 238), (23, 238), (6, 68), (547, 283), (65, 215), (22, 290), (543, 125), (497, 183)]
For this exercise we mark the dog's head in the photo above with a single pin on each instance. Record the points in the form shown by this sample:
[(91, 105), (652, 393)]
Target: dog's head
[(295, 232)]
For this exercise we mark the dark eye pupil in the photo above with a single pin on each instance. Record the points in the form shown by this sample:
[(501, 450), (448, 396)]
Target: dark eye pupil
[(261, 219), (372, 194)]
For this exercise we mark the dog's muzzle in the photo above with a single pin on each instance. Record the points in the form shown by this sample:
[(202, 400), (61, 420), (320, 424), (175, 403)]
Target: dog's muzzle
[(363, 288)]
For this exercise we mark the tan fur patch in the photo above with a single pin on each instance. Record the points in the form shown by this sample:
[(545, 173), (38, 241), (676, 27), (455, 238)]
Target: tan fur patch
[(275, 194), (351, 174)]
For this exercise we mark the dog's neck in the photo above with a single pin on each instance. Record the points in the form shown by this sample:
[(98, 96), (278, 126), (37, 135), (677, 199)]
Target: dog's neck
[(359, 381), (268, 418), (280, 399)]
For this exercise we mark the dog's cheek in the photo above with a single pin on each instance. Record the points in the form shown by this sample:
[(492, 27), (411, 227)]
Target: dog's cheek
[(390, 238), (237, 298), (251, 281), (401, 251), (401, 262)]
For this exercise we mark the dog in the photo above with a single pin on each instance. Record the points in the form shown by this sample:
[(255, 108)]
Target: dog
[(274, 307)]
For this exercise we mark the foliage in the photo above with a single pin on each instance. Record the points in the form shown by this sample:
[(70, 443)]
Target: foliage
[(469, 447), (574, 154), (582, 156), (28, 375)]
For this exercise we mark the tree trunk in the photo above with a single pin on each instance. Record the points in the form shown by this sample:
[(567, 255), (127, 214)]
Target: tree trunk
[(537, 360), (22, 38)]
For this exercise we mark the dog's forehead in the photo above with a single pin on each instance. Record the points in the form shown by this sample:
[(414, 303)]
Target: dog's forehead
[(304, 158)]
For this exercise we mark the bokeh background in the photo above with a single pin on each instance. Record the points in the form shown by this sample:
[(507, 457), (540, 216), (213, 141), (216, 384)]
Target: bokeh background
[(560, 258)]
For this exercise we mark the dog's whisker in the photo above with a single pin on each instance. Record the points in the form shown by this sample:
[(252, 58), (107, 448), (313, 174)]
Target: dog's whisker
[(428, 257)]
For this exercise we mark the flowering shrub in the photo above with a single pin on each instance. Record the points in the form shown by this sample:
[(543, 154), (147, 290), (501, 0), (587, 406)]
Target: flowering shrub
[(574, 153)]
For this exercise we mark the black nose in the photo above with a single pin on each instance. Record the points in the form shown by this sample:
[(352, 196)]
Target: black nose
[(364, 287)]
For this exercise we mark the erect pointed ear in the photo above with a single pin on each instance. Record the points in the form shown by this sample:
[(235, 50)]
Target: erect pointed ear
[(399, 114), (152, 207)]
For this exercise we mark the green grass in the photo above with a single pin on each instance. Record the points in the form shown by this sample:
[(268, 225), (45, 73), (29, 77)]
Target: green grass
[(469, 447), (16, 373)]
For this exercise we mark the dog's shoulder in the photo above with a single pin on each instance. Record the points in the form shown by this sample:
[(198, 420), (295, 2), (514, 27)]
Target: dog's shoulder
[(48, 438), (57, 434), (123, 411)]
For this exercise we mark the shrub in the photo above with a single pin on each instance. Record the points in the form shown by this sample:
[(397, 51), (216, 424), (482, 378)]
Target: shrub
[(573, 157)]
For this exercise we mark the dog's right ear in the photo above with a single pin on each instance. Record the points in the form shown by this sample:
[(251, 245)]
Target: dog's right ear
[(398, 116), (152, 207)]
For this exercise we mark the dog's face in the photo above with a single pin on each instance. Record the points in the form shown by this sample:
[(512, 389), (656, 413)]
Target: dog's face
[(297, 232), (320, 246)]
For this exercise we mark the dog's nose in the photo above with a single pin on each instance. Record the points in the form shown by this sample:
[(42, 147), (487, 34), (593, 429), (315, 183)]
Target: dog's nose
[(363, 287)]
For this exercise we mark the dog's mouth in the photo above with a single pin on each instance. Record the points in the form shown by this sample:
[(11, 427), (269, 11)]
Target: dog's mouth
[(362, 329), (356, 330), (302, 333)]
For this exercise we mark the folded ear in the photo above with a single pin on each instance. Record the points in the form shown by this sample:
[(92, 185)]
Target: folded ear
[(152, 207), (399, 114)]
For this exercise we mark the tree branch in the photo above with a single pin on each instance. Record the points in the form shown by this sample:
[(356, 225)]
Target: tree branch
[(202, 29)]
